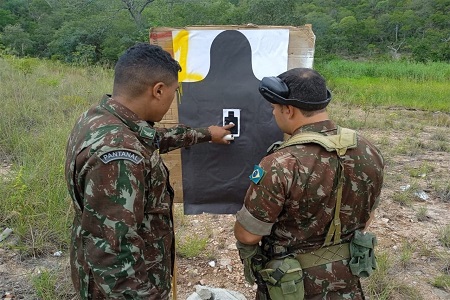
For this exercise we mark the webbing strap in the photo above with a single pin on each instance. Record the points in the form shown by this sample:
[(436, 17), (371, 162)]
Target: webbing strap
[(273, 276), (324, 255), (279, 272), (335, 226), (342, 141)]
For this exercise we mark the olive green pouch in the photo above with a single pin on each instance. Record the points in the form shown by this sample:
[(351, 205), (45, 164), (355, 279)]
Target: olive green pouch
[(284, 279), (362, 253)]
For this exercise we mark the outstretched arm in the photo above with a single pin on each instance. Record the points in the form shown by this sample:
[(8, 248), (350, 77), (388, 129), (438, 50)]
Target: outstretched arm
[(218, 133), (183, 136)]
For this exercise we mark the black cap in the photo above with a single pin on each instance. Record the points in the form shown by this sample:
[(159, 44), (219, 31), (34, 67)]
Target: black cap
[(276, 91)]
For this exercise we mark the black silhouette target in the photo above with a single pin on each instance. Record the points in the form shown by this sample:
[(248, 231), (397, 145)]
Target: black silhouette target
[(216, 177)]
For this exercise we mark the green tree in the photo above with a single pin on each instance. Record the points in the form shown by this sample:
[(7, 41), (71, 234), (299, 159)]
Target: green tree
[(100, 30), (6, 18), (347, 30), (121, 34), (16, 40), (269, 12), (76, 35), (136, 8)]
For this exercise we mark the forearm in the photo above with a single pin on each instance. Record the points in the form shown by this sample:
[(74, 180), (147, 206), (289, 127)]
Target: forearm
[(372, 216), (244, 236), (181, 136), (249, 230)]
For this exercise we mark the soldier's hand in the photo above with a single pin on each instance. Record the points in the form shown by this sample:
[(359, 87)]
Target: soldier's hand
[(246, 253), (218, 133)]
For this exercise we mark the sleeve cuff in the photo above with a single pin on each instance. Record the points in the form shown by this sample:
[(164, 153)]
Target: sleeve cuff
[(252, 224)]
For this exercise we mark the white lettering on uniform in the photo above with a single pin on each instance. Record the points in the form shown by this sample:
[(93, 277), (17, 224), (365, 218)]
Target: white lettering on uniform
[(120, 154)]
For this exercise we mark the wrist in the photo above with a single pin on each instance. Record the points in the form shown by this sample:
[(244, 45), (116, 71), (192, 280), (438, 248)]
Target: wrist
[(203, 134), (245, 250), (209, 133)]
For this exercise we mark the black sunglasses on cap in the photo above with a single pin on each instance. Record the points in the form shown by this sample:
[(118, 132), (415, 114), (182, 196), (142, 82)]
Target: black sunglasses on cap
[(276, 91)]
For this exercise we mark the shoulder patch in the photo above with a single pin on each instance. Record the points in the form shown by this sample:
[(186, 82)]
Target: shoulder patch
[(147, 132), (257, 175), (120, 154)]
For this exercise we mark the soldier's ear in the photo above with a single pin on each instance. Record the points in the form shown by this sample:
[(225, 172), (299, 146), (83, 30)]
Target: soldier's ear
[(158, 89), (290, 110)]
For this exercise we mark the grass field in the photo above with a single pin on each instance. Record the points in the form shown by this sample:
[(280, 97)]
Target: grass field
[(390, 84)]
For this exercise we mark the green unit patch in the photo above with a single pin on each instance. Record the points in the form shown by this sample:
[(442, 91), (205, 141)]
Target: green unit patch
[(257, 175), (120, 154)]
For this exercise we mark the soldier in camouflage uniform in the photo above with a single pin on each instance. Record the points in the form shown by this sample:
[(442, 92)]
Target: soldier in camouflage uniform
[(291, 201), (122, 234)]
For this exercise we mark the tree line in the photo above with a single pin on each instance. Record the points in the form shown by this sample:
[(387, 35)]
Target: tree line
[(98, 31)]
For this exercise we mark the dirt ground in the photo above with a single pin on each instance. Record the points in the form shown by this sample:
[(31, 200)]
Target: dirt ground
[(408, 232)]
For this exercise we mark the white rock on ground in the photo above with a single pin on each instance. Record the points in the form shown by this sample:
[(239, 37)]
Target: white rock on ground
[(210, 293)]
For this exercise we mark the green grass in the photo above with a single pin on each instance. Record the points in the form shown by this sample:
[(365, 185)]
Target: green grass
[(404, 198), (443, 190), (40, 102), (188, 244), (191, 246), (410, 146), (422, 213), (444, 236), (406, 253), (442, 281), (439, 72), (44, 285), (384, 285), (391, 92), (423, 170), (389, 84), (51, 284)]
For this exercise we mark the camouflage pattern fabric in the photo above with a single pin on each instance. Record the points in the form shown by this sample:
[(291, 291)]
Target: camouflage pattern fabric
[(122, 234), (331, 281), (296, 198)]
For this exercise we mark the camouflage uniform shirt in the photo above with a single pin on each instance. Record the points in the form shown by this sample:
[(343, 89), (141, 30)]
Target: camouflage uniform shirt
[(122, 234), (293, 204)]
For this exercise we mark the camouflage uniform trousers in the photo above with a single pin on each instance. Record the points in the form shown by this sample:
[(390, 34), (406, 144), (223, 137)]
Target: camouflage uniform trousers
[(94, 293), (332, 281)]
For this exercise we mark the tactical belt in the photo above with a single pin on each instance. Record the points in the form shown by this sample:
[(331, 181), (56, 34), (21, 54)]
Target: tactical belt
[(324, 255)]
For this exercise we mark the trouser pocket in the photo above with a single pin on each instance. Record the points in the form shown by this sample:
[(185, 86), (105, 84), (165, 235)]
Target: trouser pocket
[(284, 279)]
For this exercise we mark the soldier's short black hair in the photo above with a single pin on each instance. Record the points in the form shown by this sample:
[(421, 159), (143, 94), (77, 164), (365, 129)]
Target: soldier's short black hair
[(143, 65), (306, 84)]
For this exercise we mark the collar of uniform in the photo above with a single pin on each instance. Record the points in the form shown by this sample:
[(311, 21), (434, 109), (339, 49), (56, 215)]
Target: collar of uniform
[(128, 117), (322, 126)]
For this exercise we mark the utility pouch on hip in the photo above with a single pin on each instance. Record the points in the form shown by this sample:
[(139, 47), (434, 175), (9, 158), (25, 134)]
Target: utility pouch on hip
[(362, 252), (284, 279)]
